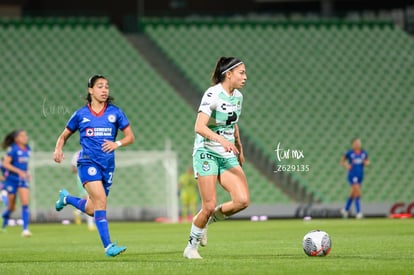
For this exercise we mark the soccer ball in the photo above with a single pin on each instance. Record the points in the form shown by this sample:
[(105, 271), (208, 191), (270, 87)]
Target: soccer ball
[(317, 243)]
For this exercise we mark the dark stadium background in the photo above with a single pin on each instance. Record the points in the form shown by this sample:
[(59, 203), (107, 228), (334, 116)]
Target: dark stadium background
[(130, 17)]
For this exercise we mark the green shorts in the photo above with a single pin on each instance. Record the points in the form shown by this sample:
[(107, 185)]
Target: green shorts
[(207, 164)]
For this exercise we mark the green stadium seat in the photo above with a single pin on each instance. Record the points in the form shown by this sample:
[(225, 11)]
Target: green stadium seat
[(320, 84)]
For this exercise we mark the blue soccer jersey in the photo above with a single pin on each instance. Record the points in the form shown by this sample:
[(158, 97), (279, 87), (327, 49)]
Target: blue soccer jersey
[(20, 159), (356, 160), (94, 128)]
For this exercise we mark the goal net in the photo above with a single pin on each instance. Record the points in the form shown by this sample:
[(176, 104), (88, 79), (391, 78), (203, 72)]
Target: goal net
[(144, 186)]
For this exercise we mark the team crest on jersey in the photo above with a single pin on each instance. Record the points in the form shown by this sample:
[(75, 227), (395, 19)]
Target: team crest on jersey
[(89, 132), (92, 171), (111, 118), (206, 166)]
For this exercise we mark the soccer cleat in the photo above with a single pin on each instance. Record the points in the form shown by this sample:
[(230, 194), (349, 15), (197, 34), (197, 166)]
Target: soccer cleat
[(203, 241), (112, 250), (344, 213), (26, 233), (359, 216), (61, 202), (191, 253)]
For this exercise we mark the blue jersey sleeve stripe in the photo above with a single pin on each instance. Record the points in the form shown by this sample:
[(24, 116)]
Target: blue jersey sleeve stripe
[(124, 127), (71, 130)]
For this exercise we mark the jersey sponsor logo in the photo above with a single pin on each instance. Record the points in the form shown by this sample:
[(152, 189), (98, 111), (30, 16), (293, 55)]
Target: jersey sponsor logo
[(224, 132), (85, 119), (205, 166), (99, 132), (112, 118), (23, 159), (225, 105), (89, 132), (92, 171)]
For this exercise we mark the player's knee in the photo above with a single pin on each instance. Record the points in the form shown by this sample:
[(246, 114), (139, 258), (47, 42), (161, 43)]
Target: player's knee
[(209, 208), (241, 203)]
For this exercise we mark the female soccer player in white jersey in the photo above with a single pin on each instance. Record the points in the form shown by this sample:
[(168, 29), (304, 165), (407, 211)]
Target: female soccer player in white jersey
[(98, 123), (218, 153)]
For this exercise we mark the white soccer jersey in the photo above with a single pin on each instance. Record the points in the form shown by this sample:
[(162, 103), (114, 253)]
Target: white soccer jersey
[(224, 111)]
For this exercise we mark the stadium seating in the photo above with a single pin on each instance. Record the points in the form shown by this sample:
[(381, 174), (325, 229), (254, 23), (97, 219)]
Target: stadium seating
[(44, 72), (313, 86)]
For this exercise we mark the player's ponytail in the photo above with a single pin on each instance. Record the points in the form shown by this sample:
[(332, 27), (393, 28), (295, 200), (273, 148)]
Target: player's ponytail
[(9, 138), (91, 82), (223, 65)]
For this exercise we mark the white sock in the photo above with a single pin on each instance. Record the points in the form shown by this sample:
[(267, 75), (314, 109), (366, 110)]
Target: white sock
[(90, 220), (195, 236)]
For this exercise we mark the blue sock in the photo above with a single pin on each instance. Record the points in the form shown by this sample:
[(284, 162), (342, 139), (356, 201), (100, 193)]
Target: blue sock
[(102, 226), (357, 205), (348, 203), (25, 216), (78, 203), (6, 217)]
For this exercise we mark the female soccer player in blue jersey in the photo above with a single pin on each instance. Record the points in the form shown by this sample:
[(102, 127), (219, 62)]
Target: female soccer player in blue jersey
[(16, 163), (354, 161), (218, 153), (98, 123), (3, 191)]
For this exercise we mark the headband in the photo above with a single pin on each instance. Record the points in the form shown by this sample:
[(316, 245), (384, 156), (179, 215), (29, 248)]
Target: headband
[(93, 79), (17, 132), (231, 67)]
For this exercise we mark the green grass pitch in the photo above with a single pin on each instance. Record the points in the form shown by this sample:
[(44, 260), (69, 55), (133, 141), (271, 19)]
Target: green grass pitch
[(369, 246)]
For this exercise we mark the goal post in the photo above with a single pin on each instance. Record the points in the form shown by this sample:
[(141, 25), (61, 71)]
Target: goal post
[(144, 186)]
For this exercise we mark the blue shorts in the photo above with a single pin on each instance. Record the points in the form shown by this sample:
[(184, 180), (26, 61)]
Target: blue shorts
[(12, 185), (90, 172), (355, 179)]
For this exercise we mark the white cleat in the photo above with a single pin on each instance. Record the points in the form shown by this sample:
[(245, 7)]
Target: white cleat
[(344, 213), (359, 216), (203, 241), (26, 233), (191, 253)]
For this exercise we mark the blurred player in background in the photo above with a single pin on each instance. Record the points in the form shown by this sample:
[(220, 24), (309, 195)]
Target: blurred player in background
[(187, 185), (82, 193), (98, 123), (218, 153), (16, 163), (354, 160), (3, 191)]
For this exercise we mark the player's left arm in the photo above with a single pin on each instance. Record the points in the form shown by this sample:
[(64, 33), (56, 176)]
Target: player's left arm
[(129, 138), (238, 144), (366, 162)]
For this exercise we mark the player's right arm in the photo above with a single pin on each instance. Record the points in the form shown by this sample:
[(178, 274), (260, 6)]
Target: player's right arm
[(58, 154), (344, 163)]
